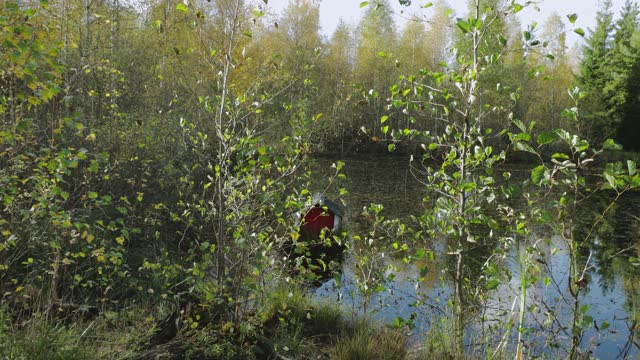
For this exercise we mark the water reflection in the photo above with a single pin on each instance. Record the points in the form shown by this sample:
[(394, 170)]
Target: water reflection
[(420, 290)]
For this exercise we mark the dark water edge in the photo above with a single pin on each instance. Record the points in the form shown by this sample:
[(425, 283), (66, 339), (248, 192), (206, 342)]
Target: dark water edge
[(361, 148), (612, 291)]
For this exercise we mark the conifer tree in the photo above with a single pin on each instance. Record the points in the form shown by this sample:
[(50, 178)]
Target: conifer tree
[(629, 56), (620, 64), (594, 74)]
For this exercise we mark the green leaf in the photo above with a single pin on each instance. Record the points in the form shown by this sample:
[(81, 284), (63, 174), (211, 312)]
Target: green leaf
[(182, 7), (546, 138), (391, 147), (493, 284), (385, 129), (633, 167), (92, 195), (524, 147), (564, 135), (512, 190), (609, 144), (570, 114), (537, 174), (611, 180), (520, 125), (579, 31), (572, 18), (524, 137), (464, 26), (383, 119), (363, 4), (588, 320)]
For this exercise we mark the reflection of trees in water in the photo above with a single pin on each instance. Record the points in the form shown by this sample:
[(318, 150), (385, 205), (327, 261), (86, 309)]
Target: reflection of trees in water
[(381, 180), (477, 256), (631, 270), (610, 239), (607, 234), (631, 288), (604, 246), (385, 181)]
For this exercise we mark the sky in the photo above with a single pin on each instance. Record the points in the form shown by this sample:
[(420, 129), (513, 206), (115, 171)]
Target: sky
[(332, 10)]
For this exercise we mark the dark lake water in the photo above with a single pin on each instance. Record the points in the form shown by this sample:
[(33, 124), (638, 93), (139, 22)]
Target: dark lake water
[(611, 290)]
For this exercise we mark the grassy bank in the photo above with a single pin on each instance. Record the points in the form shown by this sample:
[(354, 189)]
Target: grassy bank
[(291, 326)]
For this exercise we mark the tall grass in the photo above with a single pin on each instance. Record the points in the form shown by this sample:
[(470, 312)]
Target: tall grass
[(299, 328), (368, 341), (38, 339)]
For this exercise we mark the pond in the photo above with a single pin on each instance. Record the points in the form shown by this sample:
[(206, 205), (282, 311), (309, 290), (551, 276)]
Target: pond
[(419, 291)]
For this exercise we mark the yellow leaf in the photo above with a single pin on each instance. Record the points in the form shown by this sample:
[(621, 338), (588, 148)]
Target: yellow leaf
[(19, 288), (33, 100), (90, 238), (120, 240)]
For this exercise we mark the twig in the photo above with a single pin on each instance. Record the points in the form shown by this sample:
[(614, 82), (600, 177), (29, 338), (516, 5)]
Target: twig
[(87, 329)]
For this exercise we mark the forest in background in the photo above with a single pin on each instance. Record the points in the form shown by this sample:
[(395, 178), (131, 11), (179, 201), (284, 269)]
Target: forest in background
[(152, 152), (141, 64)]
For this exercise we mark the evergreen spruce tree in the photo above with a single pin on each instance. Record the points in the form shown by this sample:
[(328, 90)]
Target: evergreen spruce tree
[(629, 129), (620, 63), (594, 75)]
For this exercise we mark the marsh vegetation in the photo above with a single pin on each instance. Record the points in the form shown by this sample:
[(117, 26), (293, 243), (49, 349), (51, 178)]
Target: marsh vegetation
[(154, 155)]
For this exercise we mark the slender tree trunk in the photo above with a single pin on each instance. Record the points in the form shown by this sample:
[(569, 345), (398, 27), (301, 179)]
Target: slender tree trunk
[(223, 144), (459, 321), (577, 329), (112, 83)]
